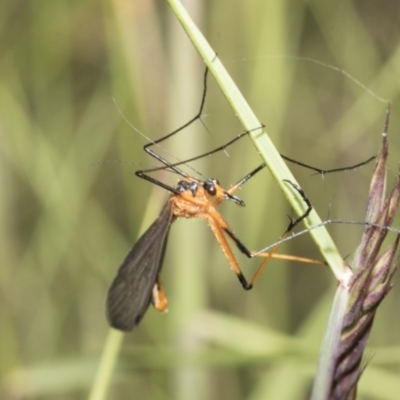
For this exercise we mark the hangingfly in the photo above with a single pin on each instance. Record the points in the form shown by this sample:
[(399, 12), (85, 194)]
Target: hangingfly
[(138, 283)]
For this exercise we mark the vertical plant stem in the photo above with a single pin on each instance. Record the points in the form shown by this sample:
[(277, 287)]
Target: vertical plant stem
[(107, 364)]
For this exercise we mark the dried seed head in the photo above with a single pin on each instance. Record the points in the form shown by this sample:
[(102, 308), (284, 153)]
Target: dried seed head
[(371, 280)]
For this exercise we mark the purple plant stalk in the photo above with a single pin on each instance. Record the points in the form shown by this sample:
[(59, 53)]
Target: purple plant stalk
[(356, 301)]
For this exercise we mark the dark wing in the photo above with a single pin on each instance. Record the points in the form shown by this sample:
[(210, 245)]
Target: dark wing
[(130, 293)]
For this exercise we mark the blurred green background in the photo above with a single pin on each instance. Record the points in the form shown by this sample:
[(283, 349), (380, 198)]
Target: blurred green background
[(71, 206)]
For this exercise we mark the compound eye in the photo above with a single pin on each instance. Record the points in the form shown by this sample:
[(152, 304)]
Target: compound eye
[(209, 186)]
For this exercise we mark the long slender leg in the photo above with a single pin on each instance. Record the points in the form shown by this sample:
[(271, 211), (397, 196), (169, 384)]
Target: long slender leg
[(216, 150), (293, 222), (219, 225), (329, 171), (142, 175), (173, 166), (197, 116), (229, 193), (166, 164), (147, 147), (220, 229), (219, 235)]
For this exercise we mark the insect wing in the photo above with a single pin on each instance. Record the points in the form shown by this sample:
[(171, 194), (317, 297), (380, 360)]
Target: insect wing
[(130, 292)]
